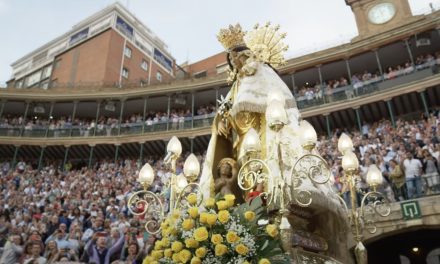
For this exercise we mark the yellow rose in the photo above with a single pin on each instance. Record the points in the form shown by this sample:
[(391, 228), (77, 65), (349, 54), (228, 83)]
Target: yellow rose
[(168, 253), (157, 254), (177, 246), (185, 255), (192, 198), (216, 239), (242, 249), (249, 215), (176, 215), (191, 243), (158, 245), (165, 242), (176, 258), (203, 217), (264, 261), (196, 260), (201, 252), (187, 224), (272, 230), (245, 262), (230, 199), (165, 232), (232, 237), (173, 231), (220, 250), (201, 234), (223, 216), (210, 202), (148, 260), (193, 212), (222, 205), (211, 219)]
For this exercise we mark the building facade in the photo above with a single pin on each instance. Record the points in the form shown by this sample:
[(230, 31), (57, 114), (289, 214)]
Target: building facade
[(109, 48)]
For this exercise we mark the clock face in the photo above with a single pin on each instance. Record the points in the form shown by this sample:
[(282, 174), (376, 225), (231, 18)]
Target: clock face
[(381, 13)]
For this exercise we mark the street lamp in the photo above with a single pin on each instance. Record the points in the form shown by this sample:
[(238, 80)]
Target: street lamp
[(372, 202)]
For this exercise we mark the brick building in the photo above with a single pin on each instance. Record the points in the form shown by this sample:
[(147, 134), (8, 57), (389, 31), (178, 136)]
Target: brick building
[(109, 48)]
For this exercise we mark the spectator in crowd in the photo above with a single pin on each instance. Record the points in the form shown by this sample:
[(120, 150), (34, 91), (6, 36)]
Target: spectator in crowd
[(413, 170), (12, 250), (98, 250), (398, 181), (34, 257)]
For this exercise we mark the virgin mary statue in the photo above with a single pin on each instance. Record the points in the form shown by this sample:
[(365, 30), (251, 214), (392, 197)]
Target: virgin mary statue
[(251, 56)]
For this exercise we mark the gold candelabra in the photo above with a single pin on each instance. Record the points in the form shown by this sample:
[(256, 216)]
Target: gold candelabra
[(282, 182), (148, 204), (372, 202)]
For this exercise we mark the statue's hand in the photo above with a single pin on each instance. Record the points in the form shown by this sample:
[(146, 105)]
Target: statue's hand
[(223, 129)]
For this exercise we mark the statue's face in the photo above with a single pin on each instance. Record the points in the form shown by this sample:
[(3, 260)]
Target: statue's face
[(226, 169), (238, 59)]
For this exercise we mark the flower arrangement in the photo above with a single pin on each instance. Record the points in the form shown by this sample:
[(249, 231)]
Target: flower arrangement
[(218, 233)]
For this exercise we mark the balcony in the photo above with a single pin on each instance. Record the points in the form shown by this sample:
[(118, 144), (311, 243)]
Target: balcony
[(361, 93)]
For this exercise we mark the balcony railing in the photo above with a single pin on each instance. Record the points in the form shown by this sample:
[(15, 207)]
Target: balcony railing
[(108, 130), (361, 88), (423, 186)]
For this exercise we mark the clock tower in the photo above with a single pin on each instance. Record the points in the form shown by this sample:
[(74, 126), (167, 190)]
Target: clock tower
[(374, 16)]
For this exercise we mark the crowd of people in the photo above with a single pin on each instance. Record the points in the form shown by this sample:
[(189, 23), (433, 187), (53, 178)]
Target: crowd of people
[(105, 125), (80, 214), (407, 155), (314, 92)]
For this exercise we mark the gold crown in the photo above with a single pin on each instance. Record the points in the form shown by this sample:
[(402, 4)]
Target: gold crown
[(231, 37)]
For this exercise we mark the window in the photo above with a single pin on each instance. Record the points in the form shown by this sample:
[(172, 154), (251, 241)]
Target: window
[(46, 72), (144, 65), (45, 85), (159, 76), (19, 83), (125, 73), (127, 52), (222, 68), (200, 74)]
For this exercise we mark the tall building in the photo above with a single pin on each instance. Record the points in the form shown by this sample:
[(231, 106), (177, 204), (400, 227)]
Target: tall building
[(110, 48)]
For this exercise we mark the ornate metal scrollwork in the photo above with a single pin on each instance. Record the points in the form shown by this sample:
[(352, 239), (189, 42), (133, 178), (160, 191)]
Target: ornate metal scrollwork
[(252, 173), (374, 203), (312, 167), (147, 203), (188, 189)]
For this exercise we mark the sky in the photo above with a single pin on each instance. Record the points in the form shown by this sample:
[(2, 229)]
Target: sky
[(189, 27)]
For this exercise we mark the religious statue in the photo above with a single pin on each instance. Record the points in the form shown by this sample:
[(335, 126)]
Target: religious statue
[(251, 57), (226, 179)]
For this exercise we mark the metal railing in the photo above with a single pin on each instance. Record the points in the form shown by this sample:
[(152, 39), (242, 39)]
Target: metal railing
[(359, 89), (108, 130), (414, 188), (362, 88)]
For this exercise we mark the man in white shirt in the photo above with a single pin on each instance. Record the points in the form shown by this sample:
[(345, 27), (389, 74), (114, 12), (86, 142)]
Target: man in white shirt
[(413, 172)]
